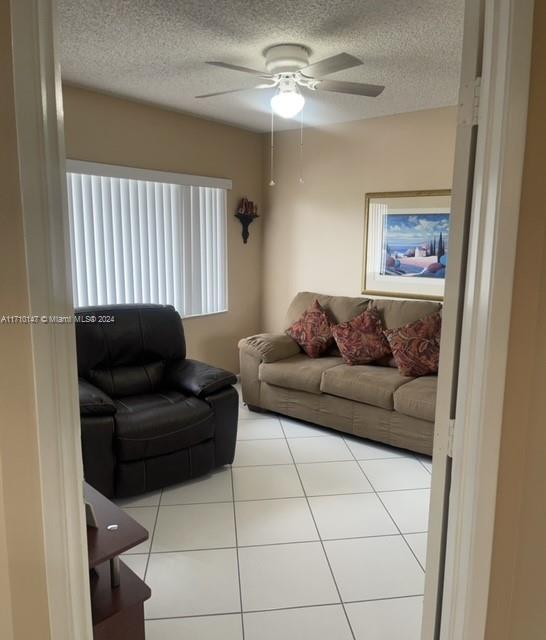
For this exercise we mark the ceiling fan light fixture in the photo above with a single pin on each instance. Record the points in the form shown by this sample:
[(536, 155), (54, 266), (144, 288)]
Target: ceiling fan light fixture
[(288, 102)]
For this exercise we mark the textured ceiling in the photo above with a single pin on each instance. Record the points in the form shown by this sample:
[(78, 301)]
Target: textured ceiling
[(154, 50)]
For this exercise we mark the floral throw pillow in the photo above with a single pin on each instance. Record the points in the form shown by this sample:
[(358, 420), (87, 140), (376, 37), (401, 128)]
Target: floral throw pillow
[(313, 331), (361, 340), (416, 346)]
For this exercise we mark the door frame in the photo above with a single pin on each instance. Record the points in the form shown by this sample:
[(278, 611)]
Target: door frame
[(476, 420), (452, 312), (484, 339), (40, 142)]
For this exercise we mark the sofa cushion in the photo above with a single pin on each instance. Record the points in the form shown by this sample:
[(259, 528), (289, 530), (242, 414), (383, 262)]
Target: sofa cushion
[(416, 346), (417, 398), (361, 341), (396, 313), (156, 424), (363, 383), (298, 372), (341, 308), (313, 331)]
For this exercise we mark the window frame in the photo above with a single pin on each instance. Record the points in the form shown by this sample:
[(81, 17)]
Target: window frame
[(167, 177), (149, 175)]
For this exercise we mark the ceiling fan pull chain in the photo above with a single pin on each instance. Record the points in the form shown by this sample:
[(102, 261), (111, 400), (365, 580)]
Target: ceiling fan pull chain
[(301, 148), (272, 181)]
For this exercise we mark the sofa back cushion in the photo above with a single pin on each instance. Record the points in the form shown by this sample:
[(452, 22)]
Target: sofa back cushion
[(340, 308), (394, 313), (397, 313), (128, 355)]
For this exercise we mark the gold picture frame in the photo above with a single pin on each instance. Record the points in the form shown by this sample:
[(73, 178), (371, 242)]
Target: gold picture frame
[(405, 275)]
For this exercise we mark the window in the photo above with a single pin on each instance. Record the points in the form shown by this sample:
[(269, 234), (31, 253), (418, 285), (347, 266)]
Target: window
[(147, 236)]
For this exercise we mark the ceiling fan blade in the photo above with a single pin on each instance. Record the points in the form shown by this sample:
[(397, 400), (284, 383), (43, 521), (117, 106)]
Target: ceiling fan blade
[(221, 93), (234, 67), (331, 65), (356, 88)]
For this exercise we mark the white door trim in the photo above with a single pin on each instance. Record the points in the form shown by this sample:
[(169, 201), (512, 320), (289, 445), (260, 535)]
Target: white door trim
[(43, 185), (467, 129), (484, 337), (486, 317)]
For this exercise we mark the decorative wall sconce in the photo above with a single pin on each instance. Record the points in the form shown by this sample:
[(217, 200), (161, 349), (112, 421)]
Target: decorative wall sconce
[(247, 213)]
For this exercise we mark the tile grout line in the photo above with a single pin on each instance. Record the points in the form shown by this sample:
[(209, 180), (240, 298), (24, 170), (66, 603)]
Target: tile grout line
[(402, 535), (237, 537), (237, 554), (279, 544), (233, 501), (152, 536), (415, 555), (315, 495), (320, 538), (303, 606), (391, 517), (423, 465), (285, 437), (287, 464)]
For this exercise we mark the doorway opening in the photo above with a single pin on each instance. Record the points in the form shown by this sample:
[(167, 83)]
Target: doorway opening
[(372, 509)]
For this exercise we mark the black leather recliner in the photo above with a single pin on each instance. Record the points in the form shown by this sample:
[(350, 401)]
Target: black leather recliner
[(150, 417)]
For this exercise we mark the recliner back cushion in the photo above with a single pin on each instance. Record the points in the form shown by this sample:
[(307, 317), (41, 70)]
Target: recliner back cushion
[(128, 355), (129, 381)]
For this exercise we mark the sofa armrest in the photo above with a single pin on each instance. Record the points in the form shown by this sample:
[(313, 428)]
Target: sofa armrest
[(197, 378), (270, 347), (93, 401)]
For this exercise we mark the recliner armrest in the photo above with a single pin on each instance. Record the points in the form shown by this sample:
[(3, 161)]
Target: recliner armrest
[(197, 378), (93, 401), (270, 347)]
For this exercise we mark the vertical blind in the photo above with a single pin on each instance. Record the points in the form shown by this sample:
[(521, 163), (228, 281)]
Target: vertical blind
[(141, 241)]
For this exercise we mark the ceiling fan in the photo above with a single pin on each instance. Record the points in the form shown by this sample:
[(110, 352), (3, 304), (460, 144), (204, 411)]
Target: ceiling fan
[(288, 70)]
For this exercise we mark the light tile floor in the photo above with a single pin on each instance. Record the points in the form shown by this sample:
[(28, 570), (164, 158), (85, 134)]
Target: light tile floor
[(310, 535)]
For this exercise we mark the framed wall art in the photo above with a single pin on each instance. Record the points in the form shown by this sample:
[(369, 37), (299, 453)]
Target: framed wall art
[(406, 243)]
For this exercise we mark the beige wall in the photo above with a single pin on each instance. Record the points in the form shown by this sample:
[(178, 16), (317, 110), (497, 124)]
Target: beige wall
[(313, 232), (517, 606), (101, 128), (22, 562), (313, 240)]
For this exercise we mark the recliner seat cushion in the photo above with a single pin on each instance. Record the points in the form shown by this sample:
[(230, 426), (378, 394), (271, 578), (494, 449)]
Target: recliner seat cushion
[(364, 383), (298, 372), (152, 425), (417, 398)]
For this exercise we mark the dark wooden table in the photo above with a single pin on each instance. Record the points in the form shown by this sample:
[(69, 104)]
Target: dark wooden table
[(117, 594)]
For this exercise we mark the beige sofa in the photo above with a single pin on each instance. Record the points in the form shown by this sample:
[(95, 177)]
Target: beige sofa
[(370, 401)]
